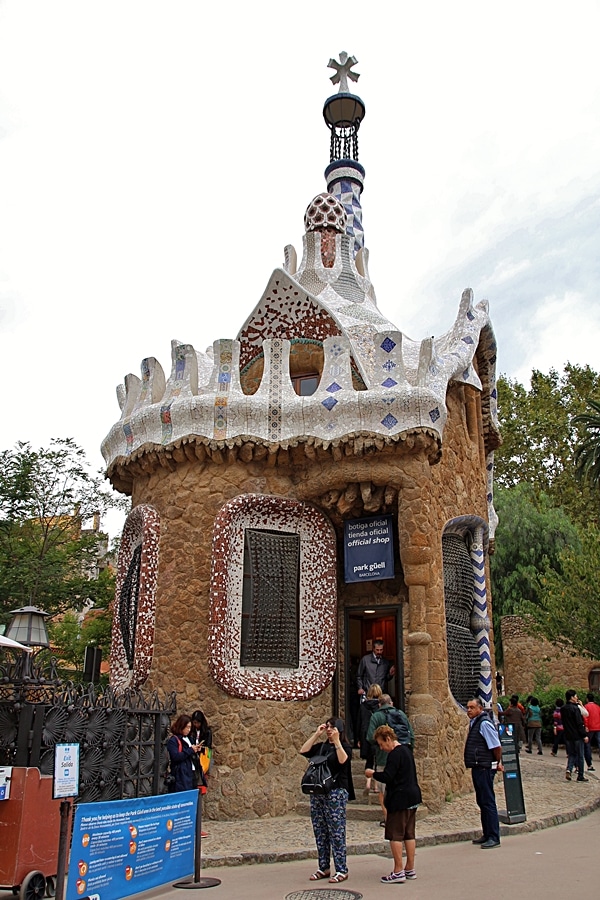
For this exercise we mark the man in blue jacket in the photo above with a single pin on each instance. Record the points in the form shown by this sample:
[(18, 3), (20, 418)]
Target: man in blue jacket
[(483, 756)]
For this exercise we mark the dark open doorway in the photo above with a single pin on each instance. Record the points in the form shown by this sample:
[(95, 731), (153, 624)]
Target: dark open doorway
[(362, 628)]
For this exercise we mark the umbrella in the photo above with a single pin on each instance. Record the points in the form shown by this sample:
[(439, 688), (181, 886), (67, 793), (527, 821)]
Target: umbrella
[(14, 645)]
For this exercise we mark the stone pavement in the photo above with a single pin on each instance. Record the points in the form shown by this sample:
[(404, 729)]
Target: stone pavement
[(549, 800)]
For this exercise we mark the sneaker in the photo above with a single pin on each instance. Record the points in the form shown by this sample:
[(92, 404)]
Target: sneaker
[(583, 779), (410, 873), (568, 775), (540, 753), (394, 878), (552, 753), (591, 769), (528, 751)]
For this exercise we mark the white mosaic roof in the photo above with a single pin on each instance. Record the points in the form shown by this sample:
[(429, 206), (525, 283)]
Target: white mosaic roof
[(329, 300)]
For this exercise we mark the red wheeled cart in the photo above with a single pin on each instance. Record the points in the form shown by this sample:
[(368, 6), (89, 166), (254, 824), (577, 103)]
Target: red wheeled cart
[(29, 835)]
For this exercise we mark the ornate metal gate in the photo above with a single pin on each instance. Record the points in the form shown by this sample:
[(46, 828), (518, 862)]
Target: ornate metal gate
[(122, 736)]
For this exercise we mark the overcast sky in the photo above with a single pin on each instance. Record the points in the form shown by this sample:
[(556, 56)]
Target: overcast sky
[(155, 158)]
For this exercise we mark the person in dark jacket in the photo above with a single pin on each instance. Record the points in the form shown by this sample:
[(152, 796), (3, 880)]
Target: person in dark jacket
[(374, 668), (402, 797), (513, 716), (201, 733), (183, 755), (575, 735), (483, 756), (328, 811)]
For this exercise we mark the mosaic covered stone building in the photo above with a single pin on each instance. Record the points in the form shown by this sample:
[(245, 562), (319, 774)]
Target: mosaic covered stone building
[(245, 464)]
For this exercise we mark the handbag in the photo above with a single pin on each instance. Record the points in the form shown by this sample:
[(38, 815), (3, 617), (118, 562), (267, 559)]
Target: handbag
[(318, 778)]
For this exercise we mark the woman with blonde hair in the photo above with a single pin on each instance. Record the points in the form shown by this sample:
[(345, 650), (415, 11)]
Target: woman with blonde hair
[(402, 797), (367, 708)]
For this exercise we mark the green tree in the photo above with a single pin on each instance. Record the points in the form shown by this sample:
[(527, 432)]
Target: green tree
[(541, 431), (587, 454), (530, 537), (69, 637), (567, 609), (48, 557)]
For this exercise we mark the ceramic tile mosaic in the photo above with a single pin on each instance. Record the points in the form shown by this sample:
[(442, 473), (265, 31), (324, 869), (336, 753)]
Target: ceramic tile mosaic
[(327, 299), (345, 180), (406, 383), (318, 599), (141, 530)]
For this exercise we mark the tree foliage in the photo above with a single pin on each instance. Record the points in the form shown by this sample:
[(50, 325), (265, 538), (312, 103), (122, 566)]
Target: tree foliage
[(567, 607), (530, 537), (547, 512), (69, 636), (541, 432), (48, 557), (587, 453)]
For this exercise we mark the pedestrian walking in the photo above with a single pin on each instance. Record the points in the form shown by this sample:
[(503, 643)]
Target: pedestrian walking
[(533, 720)]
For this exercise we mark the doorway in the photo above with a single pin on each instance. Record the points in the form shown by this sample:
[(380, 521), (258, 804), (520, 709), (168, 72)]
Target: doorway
[(363, 626)]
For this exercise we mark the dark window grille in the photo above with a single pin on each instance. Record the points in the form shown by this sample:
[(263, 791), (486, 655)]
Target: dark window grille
[(464, 663), (270, 599), (128, 604)]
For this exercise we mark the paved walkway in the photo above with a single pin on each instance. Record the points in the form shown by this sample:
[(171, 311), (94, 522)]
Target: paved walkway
[(532, 865), (549, 800), (532, 852)]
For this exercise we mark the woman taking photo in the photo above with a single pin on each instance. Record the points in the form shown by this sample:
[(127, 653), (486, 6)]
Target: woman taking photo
[(328, 811)]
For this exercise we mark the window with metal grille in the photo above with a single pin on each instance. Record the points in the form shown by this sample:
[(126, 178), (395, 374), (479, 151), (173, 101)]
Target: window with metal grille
[(270, 599), (128, 604), (464, 663)]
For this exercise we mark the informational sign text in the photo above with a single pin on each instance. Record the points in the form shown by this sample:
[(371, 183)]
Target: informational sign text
[(369, 549), (123, 847)]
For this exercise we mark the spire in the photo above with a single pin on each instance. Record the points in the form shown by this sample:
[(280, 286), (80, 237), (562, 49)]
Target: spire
[(343, 113)]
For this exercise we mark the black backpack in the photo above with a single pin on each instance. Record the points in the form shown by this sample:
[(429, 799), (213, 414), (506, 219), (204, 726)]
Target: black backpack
[(398, 720), (318, 778)]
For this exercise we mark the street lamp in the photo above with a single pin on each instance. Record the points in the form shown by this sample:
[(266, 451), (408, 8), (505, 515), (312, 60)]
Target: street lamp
[(28, 627)]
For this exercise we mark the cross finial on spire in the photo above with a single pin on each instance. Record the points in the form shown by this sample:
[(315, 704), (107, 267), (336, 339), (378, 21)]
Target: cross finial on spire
[(342, 71)]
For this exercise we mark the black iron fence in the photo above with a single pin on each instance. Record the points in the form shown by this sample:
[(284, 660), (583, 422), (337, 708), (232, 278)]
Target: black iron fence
[(122, 736)]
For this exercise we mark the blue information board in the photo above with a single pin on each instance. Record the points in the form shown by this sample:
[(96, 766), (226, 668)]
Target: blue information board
[(368, 549), (123, 847)]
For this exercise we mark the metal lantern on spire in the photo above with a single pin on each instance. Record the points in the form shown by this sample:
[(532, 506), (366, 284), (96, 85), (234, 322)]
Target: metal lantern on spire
[(344, 111)]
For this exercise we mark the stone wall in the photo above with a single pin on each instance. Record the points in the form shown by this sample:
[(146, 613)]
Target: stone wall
[(530, 661)]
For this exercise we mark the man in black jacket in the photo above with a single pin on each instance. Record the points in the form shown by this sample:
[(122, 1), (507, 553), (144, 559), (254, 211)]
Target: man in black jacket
[(575, 735)]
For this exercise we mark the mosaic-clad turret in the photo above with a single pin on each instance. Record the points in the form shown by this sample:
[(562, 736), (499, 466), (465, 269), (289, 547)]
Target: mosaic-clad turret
[(246, 464)]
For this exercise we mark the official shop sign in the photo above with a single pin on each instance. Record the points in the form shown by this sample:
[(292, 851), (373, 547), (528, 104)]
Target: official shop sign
[(122, 847), (369, 549)]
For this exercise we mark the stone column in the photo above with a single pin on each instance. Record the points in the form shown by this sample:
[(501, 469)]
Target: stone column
[(424, 710)]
